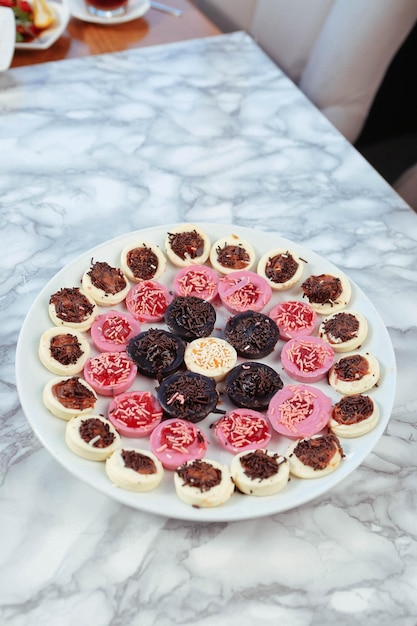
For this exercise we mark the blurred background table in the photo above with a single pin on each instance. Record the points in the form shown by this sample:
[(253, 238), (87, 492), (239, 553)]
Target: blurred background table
[(82, 39)]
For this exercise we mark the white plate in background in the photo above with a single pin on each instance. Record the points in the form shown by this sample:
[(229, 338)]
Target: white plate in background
[(135, 9), (51, 34)]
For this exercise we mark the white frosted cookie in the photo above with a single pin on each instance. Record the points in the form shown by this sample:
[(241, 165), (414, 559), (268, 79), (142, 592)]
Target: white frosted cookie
[(203, 483), (91, 437), (282, 268), (73, 308), (259, 472), (354, 416), (142, 260), (327, 293), (315, 456), (105, 284), (354, 373), (134, 470), (187, 244), (232, 253), (344, 331), (210, 356), (66, 397), (63, 351)]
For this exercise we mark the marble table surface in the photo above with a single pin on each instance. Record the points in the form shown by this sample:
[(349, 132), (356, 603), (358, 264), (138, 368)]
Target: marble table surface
[(206, 130)]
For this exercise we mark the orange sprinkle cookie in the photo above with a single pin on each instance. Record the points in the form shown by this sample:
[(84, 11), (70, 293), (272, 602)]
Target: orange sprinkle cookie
[(210, 356)]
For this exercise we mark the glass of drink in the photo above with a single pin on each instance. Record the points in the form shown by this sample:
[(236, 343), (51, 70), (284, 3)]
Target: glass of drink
[(107, 8)]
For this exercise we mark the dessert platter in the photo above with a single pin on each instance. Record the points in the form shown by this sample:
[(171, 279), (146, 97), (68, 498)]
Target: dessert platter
[(282, 377)]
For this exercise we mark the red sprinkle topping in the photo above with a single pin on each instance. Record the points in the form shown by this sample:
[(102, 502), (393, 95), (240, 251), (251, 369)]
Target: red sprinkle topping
[(109, 369)]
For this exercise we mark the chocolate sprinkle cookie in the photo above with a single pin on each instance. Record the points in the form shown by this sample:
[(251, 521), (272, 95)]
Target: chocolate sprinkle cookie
[(188, 396), (251, 385), (190, 317)]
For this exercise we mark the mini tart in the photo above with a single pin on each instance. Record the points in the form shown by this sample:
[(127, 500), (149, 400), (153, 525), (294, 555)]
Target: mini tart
[(142, 260), (251, 385), (107, 285), (189, 317), (110, 373), (230, 254), (299, 411), (282, 268), (203, 483), (134, 413), (148, 300), (112, 331), (196, 280), (354, 373), (157, 353), (253, 334), (293, 318), (314, 457), (66, 397), (354, 416), (344, 331), (210, 356), (327, 293), (91, 437), (187, 244), (307, 359), (175, 441), (134, 470), (188, 396), (63, 351), (244, 291), (242, 429), (73, 308), (259, 472)]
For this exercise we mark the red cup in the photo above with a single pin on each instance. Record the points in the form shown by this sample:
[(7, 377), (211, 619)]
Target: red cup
[(107, 9)]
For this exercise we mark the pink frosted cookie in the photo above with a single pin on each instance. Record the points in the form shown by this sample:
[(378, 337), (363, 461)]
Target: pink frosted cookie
[(147, 301), (196, 280), (243, 429), (135, 413), (175, 441), (307, 359), (243, 291), (293, 318), (110, 373), (299, 411), (112, 331)]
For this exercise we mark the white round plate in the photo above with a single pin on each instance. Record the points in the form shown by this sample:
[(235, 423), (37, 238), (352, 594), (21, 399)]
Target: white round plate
[(31, 377), (135, 9), (50, 35)]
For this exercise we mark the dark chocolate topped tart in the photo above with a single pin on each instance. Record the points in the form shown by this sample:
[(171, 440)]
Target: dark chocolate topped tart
[(188, 396), (251, 385), (190, 317), (252, 334), (157, 353)]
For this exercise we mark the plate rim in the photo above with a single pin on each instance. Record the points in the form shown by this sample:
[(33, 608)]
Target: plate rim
[(133, 14), (187, 513)]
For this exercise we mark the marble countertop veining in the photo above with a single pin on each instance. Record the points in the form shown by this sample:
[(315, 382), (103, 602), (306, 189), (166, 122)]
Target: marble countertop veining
[(206, 130)]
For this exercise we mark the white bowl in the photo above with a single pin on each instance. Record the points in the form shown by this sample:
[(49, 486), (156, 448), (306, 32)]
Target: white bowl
[(8, 36)]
